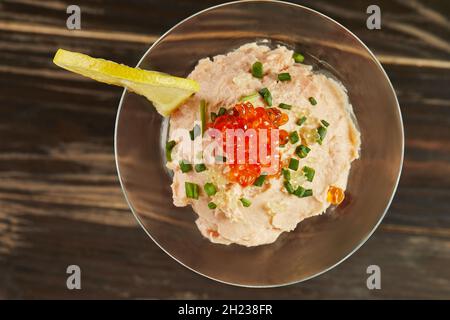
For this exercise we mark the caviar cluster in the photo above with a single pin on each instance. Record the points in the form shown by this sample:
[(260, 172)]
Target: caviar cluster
[(245, 116)]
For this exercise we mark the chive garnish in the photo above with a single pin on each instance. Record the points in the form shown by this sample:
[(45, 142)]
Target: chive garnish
[(302, 151), (212, 205), (200, 167), (301, 121), (257, 70), (302, 192), (299, 58), (289, 187), (195, 132), (210, 189), (169, 146), (293, 164), (312, 100), (309, 173), (267, 96), (299, 192), (185, 167), (245, 202), (203, 115), (188, 187), (293, 137), (260, 180), (285, 106), (213, 116), (284, 76), (322, 131), (286, 173), (249, 97), (192, 190), (222, 111), (325, 123)]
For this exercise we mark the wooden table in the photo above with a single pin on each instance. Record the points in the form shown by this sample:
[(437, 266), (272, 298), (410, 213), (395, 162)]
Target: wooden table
[(61, 203)]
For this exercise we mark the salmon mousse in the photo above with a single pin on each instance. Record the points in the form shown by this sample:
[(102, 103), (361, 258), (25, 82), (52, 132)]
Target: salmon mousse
[(264, 144)]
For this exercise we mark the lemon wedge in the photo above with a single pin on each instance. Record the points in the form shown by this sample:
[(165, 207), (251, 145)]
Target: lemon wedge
[(166, 92)]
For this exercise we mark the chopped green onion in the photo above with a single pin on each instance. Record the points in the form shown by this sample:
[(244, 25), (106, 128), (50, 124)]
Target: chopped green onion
[(200, 167), (192, 190), (203, 115), (169, 146), (302, 192), (212, 205), (185, 167), (293, 164), (284, 76), (293, 137), (299, 192), (195, 132), (289, 187), (222, 111), (312, 100), (260, 180), (301, 121), (257, 70), (245, 202), (299, 58), (286, 174), (322, 131), (302, 151), (285, 106), (249, 97), (325, 123), (267, 96), (210, 189), (309, 173), (213, 116)]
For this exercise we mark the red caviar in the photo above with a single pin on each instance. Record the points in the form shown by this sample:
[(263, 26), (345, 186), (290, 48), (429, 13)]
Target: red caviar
[(245, 116), (213, 233)]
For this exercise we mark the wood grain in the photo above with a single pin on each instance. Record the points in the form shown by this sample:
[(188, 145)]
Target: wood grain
[(61, 203)]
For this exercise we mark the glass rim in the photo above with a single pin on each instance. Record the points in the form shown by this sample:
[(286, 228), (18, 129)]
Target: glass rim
[(373, 58)]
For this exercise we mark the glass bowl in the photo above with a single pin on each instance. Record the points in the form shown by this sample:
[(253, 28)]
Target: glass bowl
[(318, 243)]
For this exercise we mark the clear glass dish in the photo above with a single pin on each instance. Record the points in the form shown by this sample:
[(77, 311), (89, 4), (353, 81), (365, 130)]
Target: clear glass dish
[(318, 243)]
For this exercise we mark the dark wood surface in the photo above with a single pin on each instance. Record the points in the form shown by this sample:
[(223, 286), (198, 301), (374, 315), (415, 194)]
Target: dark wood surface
[(61, 203)]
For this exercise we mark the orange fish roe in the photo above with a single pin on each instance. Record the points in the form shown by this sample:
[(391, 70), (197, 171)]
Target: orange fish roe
[(213, 233), (335, 195), (245, 116)]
